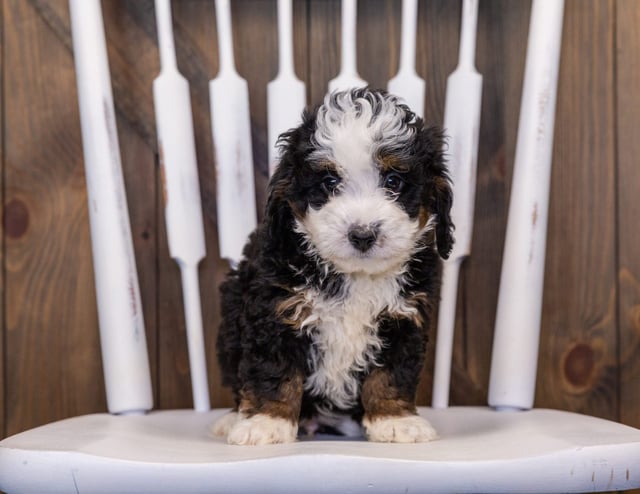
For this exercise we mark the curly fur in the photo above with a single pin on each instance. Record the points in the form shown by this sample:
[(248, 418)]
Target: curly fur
[(317, 325)]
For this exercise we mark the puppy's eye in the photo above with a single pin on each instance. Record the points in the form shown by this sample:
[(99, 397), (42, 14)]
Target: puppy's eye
[(393, 183), (330, 183)]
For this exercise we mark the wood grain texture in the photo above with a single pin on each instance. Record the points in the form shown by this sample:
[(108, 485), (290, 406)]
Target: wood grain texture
[(590, 353), (378, 41), (628, 191), (324, 39), (53, 366), (578, 351)]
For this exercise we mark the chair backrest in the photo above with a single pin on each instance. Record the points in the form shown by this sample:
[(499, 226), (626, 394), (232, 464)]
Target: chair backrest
[(514, 358)]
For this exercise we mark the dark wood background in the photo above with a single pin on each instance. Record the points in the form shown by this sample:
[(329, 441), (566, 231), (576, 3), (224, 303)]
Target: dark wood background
[(49, 351)]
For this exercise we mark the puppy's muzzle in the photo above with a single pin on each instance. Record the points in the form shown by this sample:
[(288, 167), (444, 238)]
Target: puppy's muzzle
[(363, 237)]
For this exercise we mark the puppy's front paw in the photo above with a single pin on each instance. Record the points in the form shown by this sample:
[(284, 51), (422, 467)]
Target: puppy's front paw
[(408, 429), (223, 425), (262, 429)]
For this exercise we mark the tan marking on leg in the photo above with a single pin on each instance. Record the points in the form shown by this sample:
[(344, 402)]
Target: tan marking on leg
[(263, 421), (286, 406), (380, 398), (390, 417)]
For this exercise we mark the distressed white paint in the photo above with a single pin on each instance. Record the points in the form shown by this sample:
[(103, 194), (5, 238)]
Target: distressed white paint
[(122, 333), (286, 94), (477, 450), (462, 125), (183, 209), (231, 126), (407, 83), (348, 77), (517, 331)]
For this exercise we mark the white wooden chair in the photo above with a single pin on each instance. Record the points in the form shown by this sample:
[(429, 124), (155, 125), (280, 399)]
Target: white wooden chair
[(504, 448)]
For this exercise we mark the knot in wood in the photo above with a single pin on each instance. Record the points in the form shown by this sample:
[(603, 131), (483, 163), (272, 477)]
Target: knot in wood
[(16, 218), (579, 365)]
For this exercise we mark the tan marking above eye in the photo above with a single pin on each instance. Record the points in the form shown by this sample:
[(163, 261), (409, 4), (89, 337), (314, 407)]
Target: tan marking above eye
[(380, 398), (390, 162), (286, 406), (323, 165)]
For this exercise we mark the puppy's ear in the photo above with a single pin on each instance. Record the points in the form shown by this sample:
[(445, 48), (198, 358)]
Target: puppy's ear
[(442, 208), (438, 195), (278, 217), (294, 146)]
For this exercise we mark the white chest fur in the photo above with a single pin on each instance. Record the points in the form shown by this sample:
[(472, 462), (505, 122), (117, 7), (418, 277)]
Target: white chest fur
[(344, 333)]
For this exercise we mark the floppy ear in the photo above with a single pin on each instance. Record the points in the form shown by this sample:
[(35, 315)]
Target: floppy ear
[(438, 194), (443, 199), (279, 217), (294, 145)]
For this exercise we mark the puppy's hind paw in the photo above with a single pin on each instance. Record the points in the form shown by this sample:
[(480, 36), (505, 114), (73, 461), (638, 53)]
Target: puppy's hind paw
[(407, 429), (262, 429)]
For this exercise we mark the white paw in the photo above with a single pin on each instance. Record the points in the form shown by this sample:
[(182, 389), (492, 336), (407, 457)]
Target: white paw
[(222, 426), (262, 429), (409, 429)]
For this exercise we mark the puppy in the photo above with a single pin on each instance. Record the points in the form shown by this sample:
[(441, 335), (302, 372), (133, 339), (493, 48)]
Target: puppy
[(324, 321)]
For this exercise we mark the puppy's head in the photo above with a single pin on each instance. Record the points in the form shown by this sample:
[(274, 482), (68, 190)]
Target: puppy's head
[(364, 182)]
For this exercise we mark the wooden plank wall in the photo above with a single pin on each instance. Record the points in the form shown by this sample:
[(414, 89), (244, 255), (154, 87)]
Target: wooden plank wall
[(49, 351), (628, 206)]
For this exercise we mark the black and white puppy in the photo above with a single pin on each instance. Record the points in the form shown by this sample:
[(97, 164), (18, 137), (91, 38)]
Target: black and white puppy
[(324, 322)]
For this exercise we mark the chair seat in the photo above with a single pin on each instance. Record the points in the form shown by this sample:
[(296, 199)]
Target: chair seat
[(479, 449)]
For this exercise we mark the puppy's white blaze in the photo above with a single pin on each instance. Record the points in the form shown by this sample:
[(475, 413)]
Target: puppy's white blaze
[(344, 334), (348, 134), (409, 429), (345, 341), (262, 429), (347, 127)]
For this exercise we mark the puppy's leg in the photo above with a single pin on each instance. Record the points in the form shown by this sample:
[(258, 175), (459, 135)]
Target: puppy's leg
[(390, 416), (268, 420)]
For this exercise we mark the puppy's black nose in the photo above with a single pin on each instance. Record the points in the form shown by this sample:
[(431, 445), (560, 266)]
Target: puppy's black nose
[(362, 237)]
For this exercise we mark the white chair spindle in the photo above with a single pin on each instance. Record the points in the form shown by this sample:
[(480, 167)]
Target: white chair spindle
[(462, 126), (286, 94), (183, 209), (517, 331), (122, 334), (407, 83), (231, 126), (348, 76)]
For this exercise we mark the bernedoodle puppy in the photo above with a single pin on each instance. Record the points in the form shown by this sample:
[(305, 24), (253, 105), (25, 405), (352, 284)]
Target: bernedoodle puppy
[(324, 321)]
